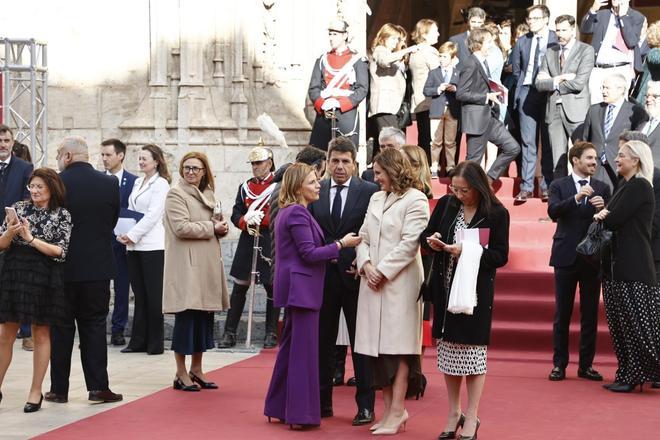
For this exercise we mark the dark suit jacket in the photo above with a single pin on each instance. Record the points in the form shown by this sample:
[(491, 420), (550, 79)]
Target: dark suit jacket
[(368, 175), (597, 23), (471, 92), (16, 182), (355, 210), (572, 219), (440, 101), (630, 117), (655, 233), (522, 56), (92, 198), (460, 328), (301, 259), (654, 143), (127, 183), (630, 219), (460, 41)]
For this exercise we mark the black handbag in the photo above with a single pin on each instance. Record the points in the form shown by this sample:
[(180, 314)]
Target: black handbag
[(403, 116), (597, 239)]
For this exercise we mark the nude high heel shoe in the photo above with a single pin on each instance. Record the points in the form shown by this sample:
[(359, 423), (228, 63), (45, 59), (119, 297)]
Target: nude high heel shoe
[(399, 425)]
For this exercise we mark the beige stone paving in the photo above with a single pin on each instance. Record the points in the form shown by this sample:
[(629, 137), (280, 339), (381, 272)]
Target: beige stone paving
[(133, 375)]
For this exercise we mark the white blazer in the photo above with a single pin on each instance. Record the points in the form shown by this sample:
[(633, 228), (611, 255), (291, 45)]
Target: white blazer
[(148, 234)]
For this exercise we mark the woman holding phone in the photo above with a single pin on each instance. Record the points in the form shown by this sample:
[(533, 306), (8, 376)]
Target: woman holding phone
[(35, 237)]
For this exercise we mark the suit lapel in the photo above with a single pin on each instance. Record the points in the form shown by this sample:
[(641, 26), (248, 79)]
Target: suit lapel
[(481, 68), (570, 186), (351, 199), (324, 206), (617, 124)]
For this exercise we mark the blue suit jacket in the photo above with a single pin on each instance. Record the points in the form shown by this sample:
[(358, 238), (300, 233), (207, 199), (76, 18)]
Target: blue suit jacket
[(439, 102), (127, 183), (597, 24), (521, 56), (15, 184)]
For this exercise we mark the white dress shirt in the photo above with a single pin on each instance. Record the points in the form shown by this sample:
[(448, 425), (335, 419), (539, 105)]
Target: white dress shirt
[(343, 194), (544, 47), (576, 182)]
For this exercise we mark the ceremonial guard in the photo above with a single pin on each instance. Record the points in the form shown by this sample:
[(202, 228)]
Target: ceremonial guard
[(250, 214), (340, 81)]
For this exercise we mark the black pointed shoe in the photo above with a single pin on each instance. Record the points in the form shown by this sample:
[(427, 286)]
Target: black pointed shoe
[(228, 340), (557, 374), (363, 417), (204, 385), (589, 374), (33, 407)]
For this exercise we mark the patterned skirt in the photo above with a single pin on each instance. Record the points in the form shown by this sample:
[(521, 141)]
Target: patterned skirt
[(633, 316), (460, 359)]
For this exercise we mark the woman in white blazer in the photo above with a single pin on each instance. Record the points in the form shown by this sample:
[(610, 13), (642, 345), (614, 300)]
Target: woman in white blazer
[(145, 246), (389, 315)]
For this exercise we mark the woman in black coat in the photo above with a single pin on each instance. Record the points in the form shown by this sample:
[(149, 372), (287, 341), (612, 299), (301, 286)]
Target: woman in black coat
[(630, 290), (463, 338)]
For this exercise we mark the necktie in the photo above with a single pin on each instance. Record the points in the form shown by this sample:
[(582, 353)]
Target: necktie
[(562, 59), (444, 76), (583, 182), (336, 206), (647, 130), (537, 56), (486, 68), (609, 120)]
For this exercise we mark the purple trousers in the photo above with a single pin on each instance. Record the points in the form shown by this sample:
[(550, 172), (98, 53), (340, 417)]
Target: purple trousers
[(293, 394)]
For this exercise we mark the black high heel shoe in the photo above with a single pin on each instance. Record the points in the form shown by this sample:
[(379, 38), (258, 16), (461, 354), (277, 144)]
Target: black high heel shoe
[(624, 387), (179, 385), (204, 385), (33, 407), (452, 434), (474, 437)]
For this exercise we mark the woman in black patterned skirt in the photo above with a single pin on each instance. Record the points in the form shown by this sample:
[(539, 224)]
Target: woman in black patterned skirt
[(630, 291), (31, 285)]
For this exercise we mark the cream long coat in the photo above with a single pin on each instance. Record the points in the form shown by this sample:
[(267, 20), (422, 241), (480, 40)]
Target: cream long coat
[(389, 321), (194, 276)]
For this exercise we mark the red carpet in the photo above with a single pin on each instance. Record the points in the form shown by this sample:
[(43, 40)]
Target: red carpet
[(518, 403)]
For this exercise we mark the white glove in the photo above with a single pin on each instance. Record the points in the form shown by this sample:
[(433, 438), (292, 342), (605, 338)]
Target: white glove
[(253, 218), (326, 93), (329, 104)]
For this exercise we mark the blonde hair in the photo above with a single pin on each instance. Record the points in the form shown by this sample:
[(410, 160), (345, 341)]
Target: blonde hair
[(390, 30), (421, 29), (653, 34), (449, 48), (397, 167), (642, 152), (420, 166), (292, 182)]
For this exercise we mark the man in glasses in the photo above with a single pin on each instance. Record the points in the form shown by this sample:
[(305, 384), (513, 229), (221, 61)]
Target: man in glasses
[(652, 127), (251, 210)]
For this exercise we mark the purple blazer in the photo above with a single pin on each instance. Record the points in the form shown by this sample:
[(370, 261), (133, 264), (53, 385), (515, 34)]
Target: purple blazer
[(300, 259)]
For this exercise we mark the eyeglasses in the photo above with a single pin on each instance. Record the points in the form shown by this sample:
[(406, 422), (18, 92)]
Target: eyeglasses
[(35, 187), (535, 18), (456, 189), (194, 170)]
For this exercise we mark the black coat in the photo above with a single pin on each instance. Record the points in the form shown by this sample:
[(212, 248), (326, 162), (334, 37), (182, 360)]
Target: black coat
[(630, 219), (655, 233), (572, 219), (355, 210), (92, 198), (460, 328)]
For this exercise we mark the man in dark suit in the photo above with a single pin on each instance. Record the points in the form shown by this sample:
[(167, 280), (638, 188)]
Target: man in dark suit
[(527, 56), (113, 152), (92, 198), (564, 77), (616, 32), (480, 107), (606, 120), (475, 20), (341, 209), (573, 201), (652, 127)]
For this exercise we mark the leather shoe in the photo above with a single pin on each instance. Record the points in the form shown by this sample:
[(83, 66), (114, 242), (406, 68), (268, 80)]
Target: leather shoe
[(522, 197), (128, 349), (326, 411), (545, 195), (351, 382), (33, 407), (363, 417), (589, 374), (106, 396), (117, 339), (621, 387), (228, 340), (28, 344), (270, 341), (338, 380), (56, 398), (557, 374)]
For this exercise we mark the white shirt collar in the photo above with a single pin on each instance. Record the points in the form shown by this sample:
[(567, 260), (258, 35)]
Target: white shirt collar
[(569, 45), (576, 179), (8, 159), (345, 184)]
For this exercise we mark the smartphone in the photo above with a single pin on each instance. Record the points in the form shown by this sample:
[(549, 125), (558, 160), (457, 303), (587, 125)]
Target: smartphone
[(10, 215)]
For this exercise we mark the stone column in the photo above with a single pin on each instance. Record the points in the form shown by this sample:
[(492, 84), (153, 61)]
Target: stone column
[(239, 102)]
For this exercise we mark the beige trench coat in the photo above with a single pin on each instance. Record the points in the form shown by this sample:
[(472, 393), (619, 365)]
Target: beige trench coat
[(389, 321), (194, 275)]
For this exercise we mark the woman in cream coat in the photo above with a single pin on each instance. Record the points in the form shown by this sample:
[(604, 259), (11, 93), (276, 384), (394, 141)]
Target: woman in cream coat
[(194, 284), (389, 316)]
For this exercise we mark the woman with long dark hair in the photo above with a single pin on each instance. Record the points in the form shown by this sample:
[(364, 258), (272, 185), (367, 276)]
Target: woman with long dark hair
[(464, 337)]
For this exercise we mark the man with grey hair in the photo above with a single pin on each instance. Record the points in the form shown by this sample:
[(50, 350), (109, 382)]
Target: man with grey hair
[(92, 198), (652, 127), (606, 120), (389, 137)]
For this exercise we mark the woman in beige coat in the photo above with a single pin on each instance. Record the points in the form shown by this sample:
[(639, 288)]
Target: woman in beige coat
[(389, 316), (194, 284)]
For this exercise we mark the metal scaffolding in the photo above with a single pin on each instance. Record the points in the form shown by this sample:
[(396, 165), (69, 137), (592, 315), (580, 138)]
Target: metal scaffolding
[(25, 93)]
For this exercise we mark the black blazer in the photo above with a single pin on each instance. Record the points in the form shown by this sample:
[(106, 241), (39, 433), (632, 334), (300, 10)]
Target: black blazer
[(461, 328), (630, 219), (597, 24), (630, 117), (572, 219), (439, 102), (460, 40), (92, 198), (15, 189), (471, 92), (655, 232), (355, 209)]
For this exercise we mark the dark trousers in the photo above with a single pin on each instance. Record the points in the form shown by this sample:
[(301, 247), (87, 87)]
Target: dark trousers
[(336, 296), (145, 270), (498, 135), (424, 133), (120, 284), (237, 304), (567, 280), (89, 307)]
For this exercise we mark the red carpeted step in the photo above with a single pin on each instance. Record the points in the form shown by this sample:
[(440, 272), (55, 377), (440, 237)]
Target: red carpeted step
[(534, 308)]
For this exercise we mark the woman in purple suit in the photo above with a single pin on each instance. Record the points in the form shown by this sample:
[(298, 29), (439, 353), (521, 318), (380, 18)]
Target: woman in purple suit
[(301, 256)]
